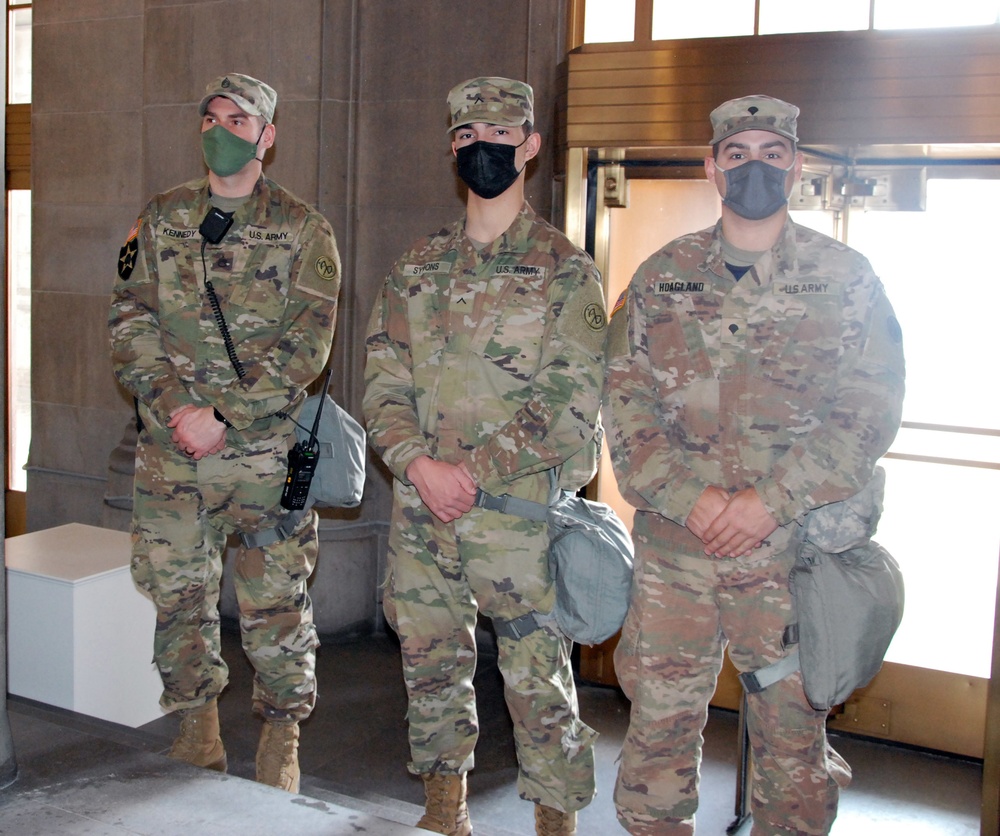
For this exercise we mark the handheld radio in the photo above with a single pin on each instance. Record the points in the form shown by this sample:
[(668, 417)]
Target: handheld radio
[(302, 461)]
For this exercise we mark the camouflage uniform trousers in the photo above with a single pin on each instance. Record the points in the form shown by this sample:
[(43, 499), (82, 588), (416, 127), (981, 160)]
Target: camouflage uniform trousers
[(440, 577), (183, 512), (684, 608)]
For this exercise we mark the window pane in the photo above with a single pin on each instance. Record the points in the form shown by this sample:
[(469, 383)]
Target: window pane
[(782, 16), (907, 14), (950, 350), (949, 570), (19, 335), (947, 342), (683, 19), (19, 57), (609, 21)]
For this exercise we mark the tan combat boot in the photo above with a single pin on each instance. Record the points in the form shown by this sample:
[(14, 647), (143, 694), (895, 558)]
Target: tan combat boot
[(278, 755), (552, 822), (198, 742), (445, 810)]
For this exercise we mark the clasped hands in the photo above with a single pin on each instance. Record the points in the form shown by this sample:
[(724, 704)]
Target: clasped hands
[(730, 525), (197, 432), (448, 490)]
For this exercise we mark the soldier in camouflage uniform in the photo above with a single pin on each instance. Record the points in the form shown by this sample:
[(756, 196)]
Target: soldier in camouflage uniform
[(755, 372), (213, 445), (484, 372)]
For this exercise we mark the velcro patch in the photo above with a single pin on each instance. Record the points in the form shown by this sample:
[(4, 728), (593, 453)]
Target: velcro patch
[(127, 254), (326, 268)]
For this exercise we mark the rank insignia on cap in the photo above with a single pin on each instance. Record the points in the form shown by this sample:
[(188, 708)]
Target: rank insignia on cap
[(127, 254)]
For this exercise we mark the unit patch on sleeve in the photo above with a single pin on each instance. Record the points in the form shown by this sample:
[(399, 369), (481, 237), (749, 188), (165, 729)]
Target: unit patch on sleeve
[(326, 268), (127, 254), (594, 316)]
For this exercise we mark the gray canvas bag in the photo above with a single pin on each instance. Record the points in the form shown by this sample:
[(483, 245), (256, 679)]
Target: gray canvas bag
[(849, 605), (339, 480), (590, 559), (849, 595)]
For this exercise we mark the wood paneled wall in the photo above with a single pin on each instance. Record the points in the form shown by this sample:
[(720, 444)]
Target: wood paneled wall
[(854, 88), (17, 149)]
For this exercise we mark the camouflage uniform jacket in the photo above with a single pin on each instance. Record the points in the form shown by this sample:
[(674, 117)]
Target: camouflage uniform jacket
[(493, 358), (790, 380), (277, 276)]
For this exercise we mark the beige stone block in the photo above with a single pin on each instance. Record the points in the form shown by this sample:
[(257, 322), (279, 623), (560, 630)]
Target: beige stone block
[(404, 157), (76, 439), (70, 355), (338, 59), (296, 47), (172, 147), (89, 158), (90, 237), (84, 61), (65, 11), (441, 43), (294, 160)]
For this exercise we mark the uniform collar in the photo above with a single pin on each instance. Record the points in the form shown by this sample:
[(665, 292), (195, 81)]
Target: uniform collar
[(781, 260), (513, 240)]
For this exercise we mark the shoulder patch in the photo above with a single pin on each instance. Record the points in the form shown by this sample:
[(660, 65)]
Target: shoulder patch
[(128, 252), (326, 268), (621, 302), (595, 317)]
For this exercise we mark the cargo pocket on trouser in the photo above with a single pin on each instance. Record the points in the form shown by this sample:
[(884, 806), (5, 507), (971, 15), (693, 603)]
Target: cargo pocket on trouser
[(142, 572), (559, 773), (626, 655), (578, 766), (555, 749)]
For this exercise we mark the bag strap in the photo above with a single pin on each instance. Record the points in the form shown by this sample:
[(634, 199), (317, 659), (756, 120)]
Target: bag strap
[(507, 504), (282, 531), (523, 625), (756, 681)]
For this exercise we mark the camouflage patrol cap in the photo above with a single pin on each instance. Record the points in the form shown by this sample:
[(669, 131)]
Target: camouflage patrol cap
[(248, 94), (754, 113), (495, 101)]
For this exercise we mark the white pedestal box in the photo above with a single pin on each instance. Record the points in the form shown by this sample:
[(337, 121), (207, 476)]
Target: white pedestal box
[(79, 632)]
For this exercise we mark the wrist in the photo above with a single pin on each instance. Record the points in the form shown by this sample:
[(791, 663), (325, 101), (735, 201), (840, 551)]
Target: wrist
[(220, 417)]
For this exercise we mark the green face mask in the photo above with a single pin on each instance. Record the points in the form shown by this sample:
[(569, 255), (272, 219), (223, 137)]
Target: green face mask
[(225, 153)]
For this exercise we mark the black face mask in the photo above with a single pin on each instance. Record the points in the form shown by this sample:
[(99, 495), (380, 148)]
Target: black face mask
[(755, 190), (488, 167)]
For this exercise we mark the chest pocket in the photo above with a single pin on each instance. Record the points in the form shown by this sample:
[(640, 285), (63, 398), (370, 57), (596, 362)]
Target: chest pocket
[(676, 342), (511, 319), (795, 340), (260, 284)]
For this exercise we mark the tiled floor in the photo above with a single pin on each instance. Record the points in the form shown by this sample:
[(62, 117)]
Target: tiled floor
[(85, 776)]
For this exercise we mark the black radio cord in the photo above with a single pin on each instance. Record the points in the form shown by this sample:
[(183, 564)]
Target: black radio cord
[(227, 340), (213, 300)]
